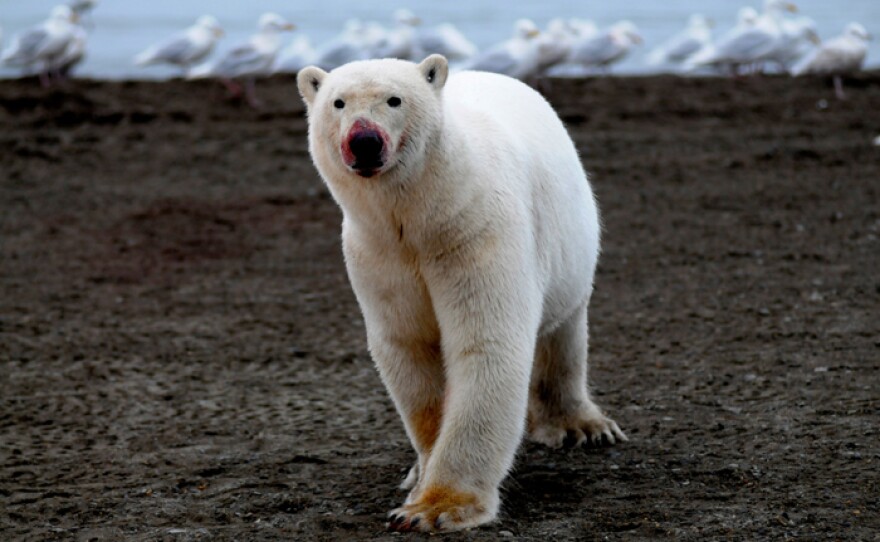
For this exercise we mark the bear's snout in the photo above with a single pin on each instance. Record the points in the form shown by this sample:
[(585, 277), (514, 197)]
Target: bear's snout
[(367, 149), (364, 148)]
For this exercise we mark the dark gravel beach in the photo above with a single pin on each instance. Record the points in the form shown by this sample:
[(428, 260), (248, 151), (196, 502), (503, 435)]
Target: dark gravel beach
[(182, 358)]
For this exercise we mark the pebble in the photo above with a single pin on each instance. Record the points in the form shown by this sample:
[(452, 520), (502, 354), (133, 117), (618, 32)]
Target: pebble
[(505, 533)]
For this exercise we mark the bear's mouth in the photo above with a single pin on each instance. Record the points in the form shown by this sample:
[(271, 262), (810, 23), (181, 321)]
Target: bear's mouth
[(366, 171)]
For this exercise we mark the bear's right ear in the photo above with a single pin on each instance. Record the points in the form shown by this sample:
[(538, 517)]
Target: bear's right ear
[(309, 80), (435, 69)]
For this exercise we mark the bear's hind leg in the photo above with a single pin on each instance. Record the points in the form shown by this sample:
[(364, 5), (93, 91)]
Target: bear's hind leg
[(560, 408)]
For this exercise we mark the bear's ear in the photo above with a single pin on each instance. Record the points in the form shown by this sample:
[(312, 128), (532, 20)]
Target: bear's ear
[(309, 80), (435, 69)]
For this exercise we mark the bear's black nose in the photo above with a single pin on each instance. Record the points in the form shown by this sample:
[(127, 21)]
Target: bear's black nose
[(367, 148)]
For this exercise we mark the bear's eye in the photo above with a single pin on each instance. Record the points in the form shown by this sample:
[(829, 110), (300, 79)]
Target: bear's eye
[(394, 101), (338, 104)]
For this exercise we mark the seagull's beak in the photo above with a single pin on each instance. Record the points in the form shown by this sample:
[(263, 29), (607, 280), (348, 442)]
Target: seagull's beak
[(74, 17), (532, 33), (636, 39), (416, 21), (288, 26), (218, 32), (791, 7), (814, 38), (710, 23)]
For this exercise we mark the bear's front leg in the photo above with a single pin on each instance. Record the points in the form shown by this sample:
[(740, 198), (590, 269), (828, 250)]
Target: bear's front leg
[(404, 340), (488, 311), (412, 371)]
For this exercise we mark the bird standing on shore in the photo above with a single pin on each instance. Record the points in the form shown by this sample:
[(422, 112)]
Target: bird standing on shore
[(75, 51), (186, 48), (43, 45), (751, 38), (837, 57), (678, 48), (73, 54), (516, 57), (249, 60), (400, 42), (605, 48), (798, 37), (445, 40), (296, 56)]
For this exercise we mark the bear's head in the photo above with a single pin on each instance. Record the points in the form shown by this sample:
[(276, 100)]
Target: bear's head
[(373, 118)]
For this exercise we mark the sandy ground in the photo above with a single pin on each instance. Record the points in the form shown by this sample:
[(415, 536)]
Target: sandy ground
[(183, 359)]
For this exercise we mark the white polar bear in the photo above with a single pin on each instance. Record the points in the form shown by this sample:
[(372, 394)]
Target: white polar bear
[(470, 236)]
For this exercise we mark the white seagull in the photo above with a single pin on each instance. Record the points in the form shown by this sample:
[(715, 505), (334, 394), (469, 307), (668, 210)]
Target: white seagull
[(679, 47), (44, 44), (446, 40), (73, 54), (605, 48), (296, 56), (248, 60), (351, 45), (799, 36), (554, 44), (837, 57), (516, 57), (750, 41), (400, 42), (186, 48)]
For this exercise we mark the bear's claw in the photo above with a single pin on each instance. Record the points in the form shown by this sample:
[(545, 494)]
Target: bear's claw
[(439, 509), (588, 426)]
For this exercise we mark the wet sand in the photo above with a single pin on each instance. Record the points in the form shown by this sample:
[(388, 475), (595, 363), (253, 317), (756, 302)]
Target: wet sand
[(183, 358)]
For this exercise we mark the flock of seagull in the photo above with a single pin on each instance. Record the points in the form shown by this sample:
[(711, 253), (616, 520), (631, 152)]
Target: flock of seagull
[(775, 39)]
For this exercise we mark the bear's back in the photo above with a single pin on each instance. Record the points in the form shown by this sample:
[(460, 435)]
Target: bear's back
[(517, 110)]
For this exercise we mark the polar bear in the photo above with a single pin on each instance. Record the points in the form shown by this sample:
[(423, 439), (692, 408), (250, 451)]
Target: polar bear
[(470, 236)]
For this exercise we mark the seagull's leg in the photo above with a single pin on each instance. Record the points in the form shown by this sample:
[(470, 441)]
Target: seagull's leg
[(60, 77), (231, 86), (838, 88), (251, 94), (45, 79)]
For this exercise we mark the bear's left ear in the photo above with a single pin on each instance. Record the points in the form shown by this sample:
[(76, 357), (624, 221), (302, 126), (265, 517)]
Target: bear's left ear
[(309, 80), (435, 70)]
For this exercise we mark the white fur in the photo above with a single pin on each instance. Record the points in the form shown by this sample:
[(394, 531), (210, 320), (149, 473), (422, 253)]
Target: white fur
[(472, 254)]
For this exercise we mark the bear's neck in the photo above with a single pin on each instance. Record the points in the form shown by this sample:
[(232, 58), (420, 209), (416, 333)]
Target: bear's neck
[(423, 202)]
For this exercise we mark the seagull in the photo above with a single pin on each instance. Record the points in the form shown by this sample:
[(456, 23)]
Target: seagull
[(799, 36), (400, 42), (605, 48), (296, 56), (351, 45), (678, 48), (73, 54), (753, 37), (75, 51), (554, 44), (446, 40), (249, 60), (43, 44), (837, 57), (186, 48), (583, 28), (516, 57)]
